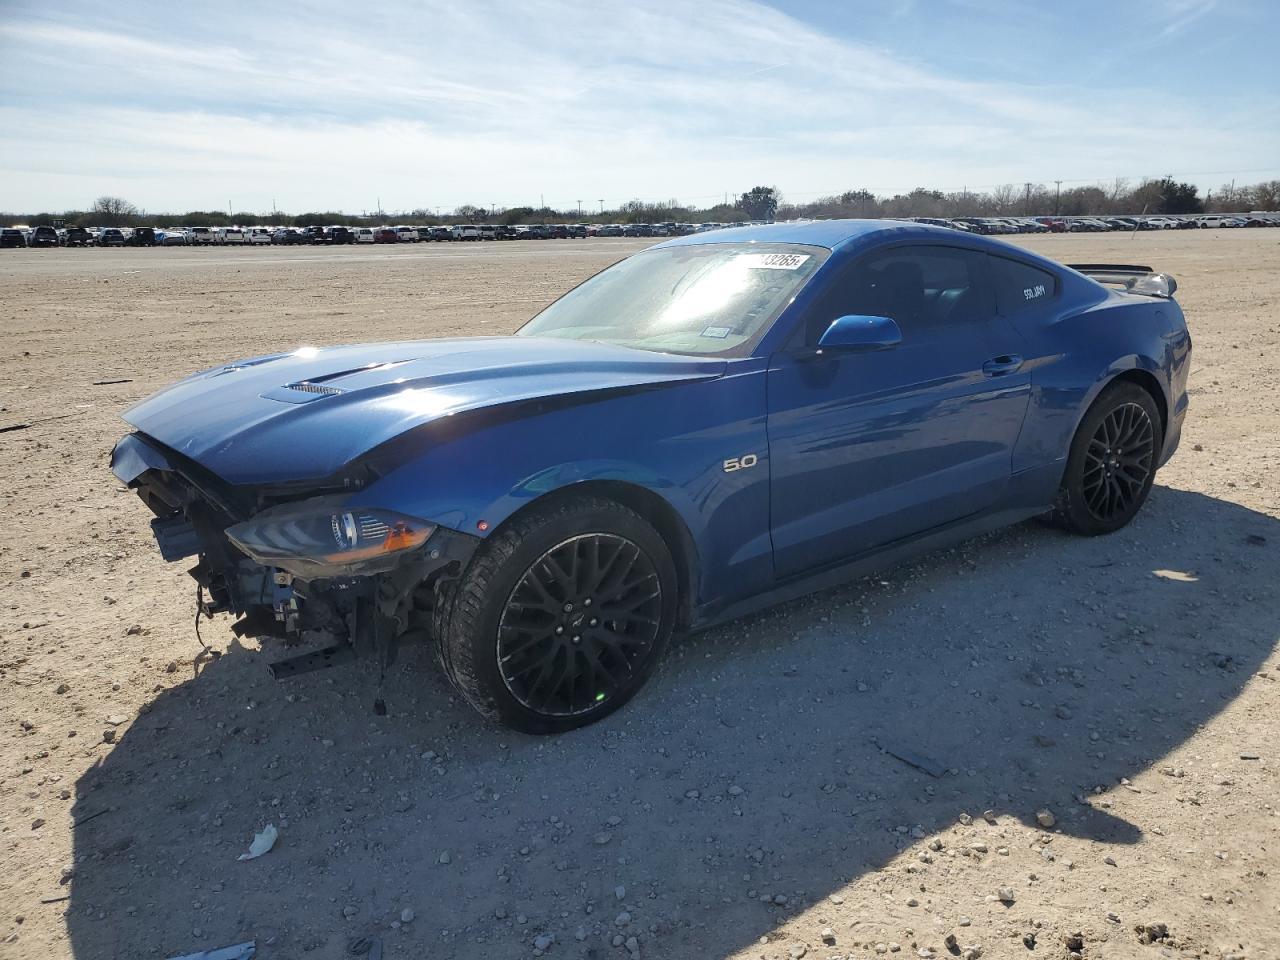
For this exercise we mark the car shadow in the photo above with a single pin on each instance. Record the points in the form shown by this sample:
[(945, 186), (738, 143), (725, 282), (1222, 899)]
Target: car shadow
[(770, 759)]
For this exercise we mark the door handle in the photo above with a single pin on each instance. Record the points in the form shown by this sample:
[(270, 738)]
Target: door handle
[(1002, 365)]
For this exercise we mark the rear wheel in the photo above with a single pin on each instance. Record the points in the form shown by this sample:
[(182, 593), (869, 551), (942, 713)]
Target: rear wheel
[(1112, 463), (561, 617)]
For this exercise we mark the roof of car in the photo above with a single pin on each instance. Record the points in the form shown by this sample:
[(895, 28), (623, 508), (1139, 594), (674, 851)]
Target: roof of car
[(817, 233)]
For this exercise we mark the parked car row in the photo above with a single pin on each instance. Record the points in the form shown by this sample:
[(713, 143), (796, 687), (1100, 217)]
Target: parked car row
[(43, 236), (1004, 225)]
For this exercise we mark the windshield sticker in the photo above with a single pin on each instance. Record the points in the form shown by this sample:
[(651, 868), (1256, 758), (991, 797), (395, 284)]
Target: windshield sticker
[(773, 261), (718, 332)]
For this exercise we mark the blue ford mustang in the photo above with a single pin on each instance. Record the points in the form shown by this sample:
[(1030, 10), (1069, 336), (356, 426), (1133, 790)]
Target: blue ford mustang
[(718, 423)]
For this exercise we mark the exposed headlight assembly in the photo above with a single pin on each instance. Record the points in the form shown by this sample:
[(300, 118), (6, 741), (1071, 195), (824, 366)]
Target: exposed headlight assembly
[(323, 538)]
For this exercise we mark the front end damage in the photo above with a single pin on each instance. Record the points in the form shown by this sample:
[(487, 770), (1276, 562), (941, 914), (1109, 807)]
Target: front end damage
[(296, 562)]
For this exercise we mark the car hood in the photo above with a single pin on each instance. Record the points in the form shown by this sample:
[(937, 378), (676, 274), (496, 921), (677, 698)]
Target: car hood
[(305, 414)]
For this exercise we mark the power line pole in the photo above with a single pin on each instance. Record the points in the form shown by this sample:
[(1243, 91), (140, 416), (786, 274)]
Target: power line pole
[(1057, 195), (579, 209), (1026, 202)]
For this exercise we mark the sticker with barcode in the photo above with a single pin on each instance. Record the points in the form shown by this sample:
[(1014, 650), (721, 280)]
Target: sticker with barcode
[(773, 261)]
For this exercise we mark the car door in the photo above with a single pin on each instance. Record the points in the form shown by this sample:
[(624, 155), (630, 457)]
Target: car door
[(869, 448)]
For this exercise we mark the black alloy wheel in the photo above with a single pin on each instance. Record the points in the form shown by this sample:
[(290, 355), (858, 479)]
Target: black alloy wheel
[(561, 616), (580, 620), (1118, 461), (1112, 463)]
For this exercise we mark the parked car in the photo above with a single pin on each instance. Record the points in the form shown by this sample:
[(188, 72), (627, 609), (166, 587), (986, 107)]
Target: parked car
[(488, 231), (550, 507), (257, 235), (424, 234), (465, 231), (287, 236), (76, 237), (339, 235), (171, 237), (610, 230), (505, 232), (12, 237), (230, 235), (441, 233), (362, 234), (141, 237), (110, 237), (42, 237), (385, 235), (407, 234), (201, 235), (1219, 220), (315, 234), (636, 230)]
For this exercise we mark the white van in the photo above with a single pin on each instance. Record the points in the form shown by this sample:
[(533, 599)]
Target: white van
[(363, 234)]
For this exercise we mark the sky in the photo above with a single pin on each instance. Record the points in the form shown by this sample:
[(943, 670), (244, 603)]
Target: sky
[(344, 106)]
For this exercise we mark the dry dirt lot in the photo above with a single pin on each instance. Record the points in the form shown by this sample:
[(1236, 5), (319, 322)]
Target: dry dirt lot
[(746, 804)]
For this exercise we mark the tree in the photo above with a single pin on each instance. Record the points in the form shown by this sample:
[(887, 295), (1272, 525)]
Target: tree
[(1266, 195), (759, 203), (1168, 196), (113, 211)]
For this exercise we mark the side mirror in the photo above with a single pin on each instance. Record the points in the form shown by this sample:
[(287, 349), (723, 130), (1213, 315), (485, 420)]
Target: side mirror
[(860, 334)]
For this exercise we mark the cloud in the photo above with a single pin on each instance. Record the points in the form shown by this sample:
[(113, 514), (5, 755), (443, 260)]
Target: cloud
[(330, 105)]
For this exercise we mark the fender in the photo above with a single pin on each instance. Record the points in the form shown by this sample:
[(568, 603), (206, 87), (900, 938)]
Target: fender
[(1065, 381), (673, 442)]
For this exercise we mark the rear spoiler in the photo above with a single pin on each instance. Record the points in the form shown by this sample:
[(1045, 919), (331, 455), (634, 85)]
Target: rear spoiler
[(1132, 277)]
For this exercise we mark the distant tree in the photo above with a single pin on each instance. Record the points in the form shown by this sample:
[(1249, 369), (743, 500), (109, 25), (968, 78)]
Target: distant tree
[(1082, 201), (1266, 195), (469, 211), (1005, 197), (1168, 196), (514, 215), (760, 203), (858, 203), (113, 211)]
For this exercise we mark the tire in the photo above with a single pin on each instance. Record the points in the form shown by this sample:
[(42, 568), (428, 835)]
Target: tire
[(1105, 485), (517, 636)]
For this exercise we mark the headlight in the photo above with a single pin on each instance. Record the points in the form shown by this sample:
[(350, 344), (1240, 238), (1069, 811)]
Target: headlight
[(322, 538)]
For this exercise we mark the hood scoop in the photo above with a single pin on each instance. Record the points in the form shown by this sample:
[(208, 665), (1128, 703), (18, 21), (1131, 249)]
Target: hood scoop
[(313, 388)]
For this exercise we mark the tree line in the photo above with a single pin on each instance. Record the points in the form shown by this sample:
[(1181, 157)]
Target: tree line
[(1162, 196)]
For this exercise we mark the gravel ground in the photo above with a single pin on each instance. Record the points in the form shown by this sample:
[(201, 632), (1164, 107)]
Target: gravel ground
[(1102, 713)]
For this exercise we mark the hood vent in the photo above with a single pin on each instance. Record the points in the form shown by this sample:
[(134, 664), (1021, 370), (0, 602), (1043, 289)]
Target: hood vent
[(307, 387)]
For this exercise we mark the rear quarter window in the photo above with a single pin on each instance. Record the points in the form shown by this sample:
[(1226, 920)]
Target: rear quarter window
[(1020, 286)]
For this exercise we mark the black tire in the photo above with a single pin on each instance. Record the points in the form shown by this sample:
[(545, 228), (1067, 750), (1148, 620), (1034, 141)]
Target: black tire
[(1112, 463), (517, 613)]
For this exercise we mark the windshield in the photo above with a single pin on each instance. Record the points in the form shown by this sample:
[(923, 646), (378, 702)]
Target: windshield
[(715, 298)]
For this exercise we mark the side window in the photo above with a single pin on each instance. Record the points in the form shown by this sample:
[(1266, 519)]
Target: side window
[(1020, 286), (921, 287)]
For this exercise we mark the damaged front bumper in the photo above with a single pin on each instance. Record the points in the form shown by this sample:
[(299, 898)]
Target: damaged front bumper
[(296, 563)]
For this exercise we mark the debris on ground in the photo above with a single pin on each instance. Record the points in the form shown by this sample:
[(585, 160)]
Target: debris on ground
[(913, 759), (262, 842), (241, 951)]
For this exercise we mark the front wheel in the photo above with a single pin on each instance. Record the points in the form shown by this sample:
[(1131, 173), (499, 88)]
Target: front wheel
[(1112, 463), (560, 617)]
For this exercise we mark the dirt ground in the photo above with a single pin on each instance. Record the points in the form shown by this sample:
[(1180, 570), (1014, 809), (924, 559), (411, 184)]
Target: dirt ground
[(748, 803)]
